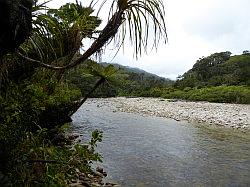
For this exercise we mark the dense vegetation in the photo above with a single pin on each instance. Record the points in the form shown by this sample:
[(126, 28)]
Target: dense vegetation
[(218, 69), (220, 94), (34, 103), (39, 50), (219, 77), (123, 81)]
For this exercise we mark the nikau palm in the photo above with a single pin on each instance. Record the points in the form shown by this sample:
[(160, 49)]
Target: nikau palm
[(132, 18), (53, 38)]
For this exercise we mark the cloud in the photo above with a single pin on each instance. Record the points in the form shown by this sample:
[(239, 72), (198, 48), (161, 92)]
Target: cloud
[(223, 23), (195, 28)]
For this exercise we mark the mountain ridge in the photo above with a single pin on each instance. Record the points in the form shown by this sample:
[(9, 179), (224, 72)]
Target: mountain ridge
[(133, 70)]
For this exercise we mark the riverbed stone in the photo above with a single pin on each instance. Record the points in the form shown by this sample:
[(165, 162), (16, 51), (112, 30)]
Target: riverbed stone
[(222, 114)]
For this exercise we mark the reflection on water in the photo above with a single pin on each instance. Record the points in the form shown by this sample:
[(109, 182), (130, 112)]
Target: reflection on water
[(153, 151)]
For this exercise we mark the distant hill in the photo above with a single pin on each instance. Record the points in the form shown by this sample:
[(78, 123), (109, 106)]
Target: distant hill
[(129, 69), (126, 81), (130, 81), (218, 69)]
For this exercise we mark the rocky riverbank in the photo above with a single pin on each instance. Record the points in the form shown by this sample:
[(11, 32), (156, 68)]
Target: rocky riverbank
[(94, 180), (223, 114)]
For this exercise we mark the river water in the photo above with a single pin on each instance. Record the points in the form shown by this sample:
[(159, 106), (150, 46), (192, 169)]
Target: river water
[(152, 151)]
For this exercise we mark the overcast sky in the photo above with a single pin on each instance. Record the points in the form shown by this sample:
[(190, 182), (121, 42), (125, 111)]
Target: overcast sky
[(195, 28)]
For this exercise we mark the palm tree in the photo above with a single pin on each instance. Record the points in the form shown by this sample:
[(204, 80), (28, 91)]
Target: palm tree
[(127, 17), (57, 36)]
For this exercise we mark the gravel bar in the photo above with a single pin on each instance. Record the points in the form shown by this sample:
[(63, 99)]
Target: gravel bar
[(223, 114)]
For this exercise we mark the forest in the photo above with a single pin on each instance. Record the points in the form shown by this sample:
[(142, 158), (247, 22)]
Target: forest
[(219, 77)]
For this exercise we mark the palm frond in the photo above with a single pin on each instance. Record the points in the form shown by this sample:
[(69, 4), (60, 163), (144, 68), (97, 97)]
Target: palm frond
[(135, 17), (142, 17)]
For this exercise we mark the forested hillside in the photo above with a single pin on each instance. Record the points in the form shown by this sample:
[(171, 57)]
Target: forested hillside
[(216, 70), (123, 81), (219, 77)]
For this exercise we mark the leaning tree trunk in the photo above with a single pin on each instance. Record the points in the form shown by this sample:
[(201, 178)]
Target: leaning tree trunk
[(78, 104)]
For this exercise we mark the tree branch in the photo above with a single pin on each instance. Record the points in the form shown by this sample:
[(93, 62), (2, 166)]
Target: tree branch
[(45, 161)]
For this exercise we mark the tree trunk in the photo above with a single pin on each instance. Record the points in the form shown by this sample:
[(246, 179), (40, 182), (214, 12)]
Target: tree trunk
[(15, 23)]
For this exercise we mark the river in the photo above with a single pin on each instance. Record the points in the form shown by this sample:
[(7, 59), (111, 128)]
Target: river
[(152, 151)]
